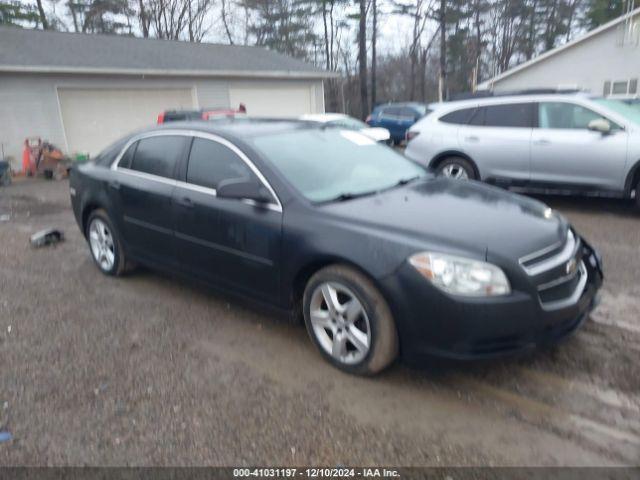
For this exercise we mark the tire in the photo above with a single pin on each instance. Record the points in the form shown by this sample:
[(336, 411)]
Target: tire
[(369, 317), (109, 256), (637, 199), (456, 167)]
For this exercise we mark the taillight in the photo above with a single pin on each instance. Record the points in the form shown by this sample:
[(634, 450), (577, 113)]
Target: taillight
[(410, 135), (161, 118)]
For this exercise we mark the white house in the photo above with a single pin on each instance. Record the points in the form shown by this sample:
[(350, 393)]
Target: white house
[(82, 92), (604, 61)]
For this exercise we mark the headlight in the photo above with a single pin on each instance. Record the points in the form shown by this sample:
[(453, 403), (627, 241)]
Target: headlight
[(461, 276)]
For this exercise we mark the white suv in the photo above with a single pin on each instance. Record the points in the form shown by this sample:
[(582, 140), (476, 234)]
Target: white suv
[(570, 142)]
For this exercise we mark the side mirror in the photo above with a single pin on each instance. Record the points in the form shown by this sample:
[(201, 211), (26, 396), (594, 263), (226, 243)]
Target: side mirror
[(243, 189), (600, 125)]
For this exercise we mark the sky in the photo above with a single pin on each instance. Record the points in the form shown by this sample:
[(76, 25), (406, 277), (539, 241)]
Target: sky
[(394, 30)]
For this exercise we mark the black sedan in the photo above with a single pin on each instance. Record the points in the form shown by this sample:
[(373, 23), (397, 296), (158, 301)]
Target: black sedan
[(377, 255)]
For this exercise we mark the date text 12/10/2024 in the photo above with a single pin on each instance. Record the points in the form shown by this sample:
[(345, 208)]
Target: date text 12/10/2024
[(343, 472)]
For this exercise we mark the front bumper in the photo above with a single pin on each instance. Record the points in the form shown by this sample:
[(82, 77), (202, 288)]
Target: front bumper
[(431, 323)]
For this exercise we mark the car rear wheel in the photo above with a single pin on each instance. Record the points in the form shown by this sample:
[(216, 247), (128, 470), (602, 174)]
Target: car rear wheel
[(349, 321), (105, 244), (456, 167), (638, 196)]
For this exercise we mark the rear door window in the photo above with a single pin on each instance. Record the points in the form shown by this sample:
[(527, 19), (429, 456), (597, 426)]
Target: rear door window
[(477, 117), (159, 155), (458, 117), (513, 115), (127, 157), (211, 162)]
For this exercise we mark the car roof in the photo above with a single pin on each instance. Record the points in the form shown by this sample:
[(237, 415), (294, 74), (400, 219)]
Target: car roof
[(501, 99), (399, 104), (238, 128)]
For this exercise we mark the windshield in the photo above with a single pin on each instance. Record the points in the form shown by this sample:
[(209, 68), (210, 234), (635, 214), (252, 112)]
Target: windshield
[(348, 122), (330, 164), (621, 108)]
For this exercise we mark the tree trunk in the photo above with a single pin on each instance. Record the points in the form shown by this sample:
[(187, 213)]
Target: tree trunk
[(362, 60), (43, 17), (224, 22), (443, 50), (72, 9), (374, 36), (143, 19), (326, 35)]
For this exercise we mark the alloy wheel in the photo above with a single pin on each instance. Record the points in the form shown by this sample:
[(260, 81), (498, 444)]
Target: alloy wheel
[(340, 323), (453, 170), (102, 244)]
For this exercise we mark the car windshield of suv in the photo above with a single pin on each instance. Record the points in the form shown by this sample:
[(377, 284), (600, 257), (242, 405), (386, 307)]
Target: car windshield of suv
[(333, 164), (621, 108)]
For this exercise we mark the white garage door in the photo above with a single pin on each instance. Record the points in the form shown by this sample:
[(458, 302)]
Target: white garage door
[(93, 118), (273, 100)]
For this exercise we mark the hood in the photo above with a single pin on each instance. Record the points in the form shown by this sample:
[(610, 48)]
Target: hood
[(453, 215)]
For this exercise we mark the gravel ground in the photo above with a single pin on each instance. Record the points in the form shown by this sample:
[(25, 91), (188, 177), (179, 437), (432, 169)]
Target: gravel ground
[(152, 370)]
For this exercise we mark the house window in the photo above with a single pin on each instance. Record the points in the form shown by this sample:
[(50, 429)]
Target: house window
[(607, 88), (633, 86), (619, 88)]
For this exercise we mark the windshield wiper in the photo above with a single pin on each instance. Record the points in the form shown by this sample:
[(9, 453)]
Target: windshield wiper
[(348, 196), (404, 181)]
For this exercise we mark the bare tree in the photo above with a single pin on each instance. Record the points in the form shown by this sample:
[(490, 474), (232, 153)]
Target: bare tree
[(225, 21), (442, 25), (43, 16), (374, 39), (362, 59)]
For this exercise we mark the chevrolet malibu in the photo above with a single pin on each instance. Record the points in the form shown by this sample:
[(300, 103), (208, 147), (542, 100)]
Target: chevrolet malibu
[(379, 257)]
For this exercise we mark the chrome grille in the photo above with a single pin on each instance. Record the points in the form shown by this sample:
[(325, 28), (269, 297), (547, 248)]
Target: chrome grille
[(563, 291), (550, 257), (558, 284)]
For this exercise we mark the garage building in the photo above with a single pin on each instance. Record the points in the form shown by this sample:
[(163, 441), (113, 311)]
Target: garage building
[(81, 92)]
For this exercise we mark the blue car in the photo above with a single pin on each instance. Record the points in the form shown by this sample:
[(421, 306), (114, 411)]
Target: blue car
[(397, 118)]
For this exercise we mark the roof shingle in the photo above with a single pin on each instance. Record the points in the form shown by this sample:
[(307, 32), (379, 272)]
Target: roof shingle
[(37, 50)]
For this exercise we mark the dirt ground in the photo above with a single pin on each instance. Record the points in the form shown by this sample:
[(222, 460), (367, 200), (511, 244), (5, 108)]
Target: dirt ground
[(152, 370)]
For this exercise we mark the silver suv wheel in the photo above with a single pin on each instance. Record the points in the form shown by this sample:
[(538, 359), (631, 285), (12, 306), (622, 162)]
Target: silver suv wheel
[(455, 171)]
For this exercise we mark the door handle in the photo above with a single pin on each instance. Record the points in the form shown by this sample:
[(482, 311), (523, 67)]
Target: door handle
[(185, 202), (115, 185), (542, 141), (471, 138)]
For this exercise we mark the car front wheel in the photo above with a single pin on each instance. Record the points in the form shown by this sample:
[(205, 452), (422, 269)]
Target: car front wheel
[(104, 243), (349, 321), (456, 167)]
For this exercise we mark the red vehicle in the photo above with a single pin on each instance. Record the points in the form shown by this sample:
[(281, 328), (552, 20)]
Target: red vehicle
[(202, 114)]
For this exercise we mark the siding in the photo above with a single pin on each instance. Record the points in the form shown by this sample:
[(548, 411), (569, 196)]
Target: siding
[(586, 65), (29, 102)]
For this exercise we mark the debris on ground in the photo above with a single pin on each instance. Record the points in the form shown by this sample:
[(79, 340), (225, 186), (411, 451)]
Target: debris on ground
[(48, 236), (42, 157), (5, 436)]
